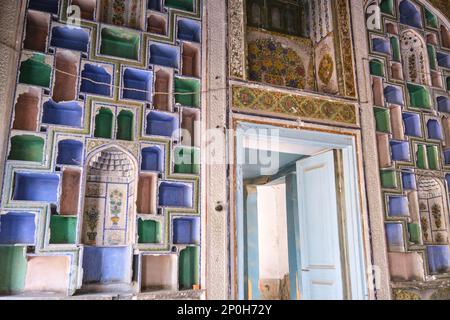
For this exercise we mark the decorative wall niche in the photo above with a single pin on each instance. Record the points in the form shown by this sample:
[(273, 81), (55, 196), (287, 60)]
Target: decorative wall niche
[(18, 228), (66, 76), (36, 32), (26, 110), (147, 193), (70, 191), (190, 60), (87, 8), (157, 24), (159, 272), (163, 90), (41, 187)]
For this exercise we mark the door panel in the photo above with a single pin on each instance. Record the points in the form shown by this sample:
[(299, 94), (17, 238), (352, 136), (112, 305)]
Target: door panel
[(318, 223)]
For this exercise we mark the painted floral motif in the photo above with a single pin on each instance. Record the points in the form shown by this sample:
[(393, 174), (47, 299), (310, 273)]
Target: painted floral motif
[(436, 212), (92, 220), (252, 99), (118, 17), (326, 68), (272, 63), (115, 203)]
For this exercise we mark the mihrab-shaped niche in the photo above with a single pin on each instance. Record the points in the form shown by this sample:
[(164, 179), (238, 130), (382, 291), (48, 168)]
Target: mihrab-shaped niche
[(415, 57), (109, 213), (433, 209)]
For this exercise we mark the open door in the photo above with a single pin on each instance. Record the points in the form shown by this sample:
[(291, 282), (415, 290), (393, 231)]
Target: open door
[(320, 254)]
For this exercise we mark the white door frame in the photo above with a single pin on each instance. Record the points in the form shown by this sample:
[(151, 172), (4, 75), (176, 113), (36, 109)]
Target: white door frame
[(290, 139)]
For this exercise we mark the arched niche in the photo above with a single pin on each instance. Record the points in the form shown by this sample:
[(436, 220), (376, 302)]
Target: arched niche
[(415, 57), (433, 209), (445, 36), (109, 213)]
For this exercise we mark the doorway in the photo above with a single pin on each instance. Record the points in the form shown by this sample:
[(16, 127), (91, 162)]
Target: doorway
[(298, 215)]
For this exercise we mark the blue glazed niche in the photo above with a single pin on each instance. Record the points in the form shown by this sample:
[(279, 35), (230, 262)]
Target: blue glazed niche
[(164, 55), (161, 124), (409, 180), (106, 265), (63, 113), (175, 195), (447, 156), (70, 152), (50, 6), (447, 178), (139, 83), (70, 38), (443, 59), (443, 104), (394, 95), (36, 187), (438, 259), (381, 45), (394, 236), (95, 80), (154, 5), (410, 15), (400, 150), (434, 130), (18, 228), (189, 30), (152, 159), (412, 124), (398, 206), (186, 230)]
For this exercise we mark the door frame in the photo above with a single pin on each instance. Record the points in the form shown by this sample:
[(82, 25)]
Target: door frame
[(351, 219)]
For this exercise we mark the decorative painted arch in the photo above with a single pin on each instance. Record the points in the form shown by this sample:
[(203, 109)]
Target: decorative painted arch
[(415, 57)]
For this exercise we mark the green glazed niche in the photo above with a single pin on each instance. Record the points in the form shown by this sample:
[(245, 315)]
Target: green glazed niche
[(188, 267), (395, 49), (432, 156), (387, 6), (149, 231), (125, 125), (13, 265), (388, 179), (382, 119), (376, 68), (189, 92), (119, 43), (431, 56), (186, 5), (431, 19), (103, 124), (187, 160), (27, 148), (421, 157), (35, 71), (414, 233), (63, 229), (418, 96), (448, 83)]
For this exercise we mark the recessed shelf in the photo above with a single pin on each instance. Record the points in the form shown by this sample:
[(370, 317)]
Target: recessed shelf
[(63, 113), (50, 6), (158, 272), (137, 84), (104, 123), (125, 125), (188, 268), (70, 191), (152, 159), (146, 195), (161, 124), (149, 231), (36, 32), (35, 71), (36, 187), (66, 76), (186, 5), (162, 99), (18, 228), (164, 55), (49, 274), (87, 8), (70, 152), (26, 110), (13, 266), (120, 43), (70, 38), (63, 229), (27, 148), (189, 30), (187, 92), (186, 160), (172, 194), (191, 60), (95, 80), (186, 230), (190, 124), (106, 265)]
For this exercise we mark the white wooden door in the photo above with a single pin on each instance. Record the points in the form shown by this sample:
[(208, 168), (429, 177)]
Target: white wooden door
[(320, 258)]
